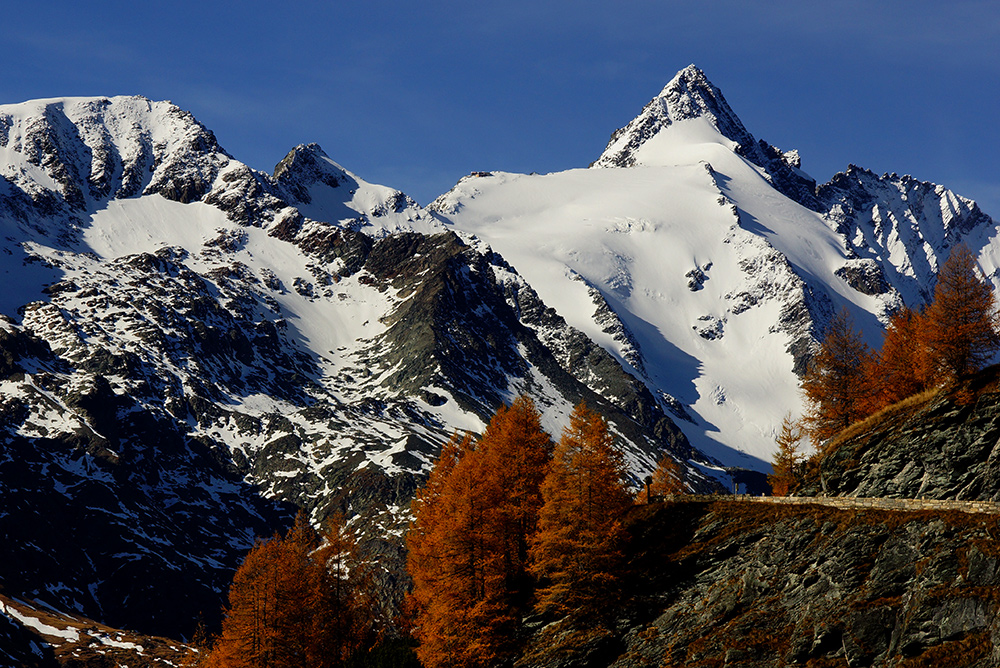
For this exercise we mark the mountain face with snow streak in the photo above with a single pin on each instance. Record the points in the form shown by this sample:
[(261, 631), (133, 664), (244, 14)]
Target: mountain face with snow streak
[(193, 348)]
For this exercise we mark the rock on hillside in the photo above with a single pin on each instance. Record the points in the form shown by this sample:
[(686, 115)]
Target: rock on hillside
[(758, 586), (941, 447)]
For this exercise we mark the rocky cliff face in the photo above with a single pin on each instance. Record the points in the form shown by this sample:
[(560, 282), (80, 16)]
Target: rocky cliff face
[(890, 216), (751, 585), (944, 446), (734, 583), (109, 508)]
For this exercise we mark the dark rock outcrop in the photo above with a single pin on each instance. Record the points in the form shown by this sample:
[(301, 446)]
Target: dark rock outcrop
[(752, 585), (943, 446)]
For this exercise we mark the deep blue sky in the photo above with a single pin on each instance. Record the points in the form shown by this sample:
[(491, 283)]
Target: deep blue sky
[(416, 95)]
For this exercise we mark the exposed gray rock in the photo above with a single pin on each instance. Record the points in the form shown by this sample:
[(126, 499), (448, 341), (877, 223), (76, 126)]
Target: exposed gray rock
[(891, 215), (725, 584), (946, 446), (865, 276)]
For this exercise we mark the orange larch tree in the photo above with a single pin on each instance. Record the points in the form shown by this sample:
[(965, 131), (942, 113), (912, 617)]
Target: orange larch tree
[(902, 367), (468, 540), (668, 477), (446, 549), (423, 540), (962, 321), (266, 622), (516, 452), (287, 604), (577, 553), (835, 385), (787, 459)]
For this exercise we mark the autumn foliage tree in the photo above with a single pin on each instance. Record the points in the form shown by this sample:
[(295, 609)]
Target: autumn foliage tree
[(516, 452), (296, 600), (961, 322), (443, 564), (667, 477), (344, 614), (902, 367), (787, 459), (577, 553), (952, 338), (468, 543), (835, 385)]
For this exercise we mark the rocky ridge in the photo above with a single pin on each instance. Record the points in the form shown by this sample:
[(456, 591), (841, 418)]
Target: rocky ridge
[(918, 222), (750, 585), (193, 356), (939, 446)]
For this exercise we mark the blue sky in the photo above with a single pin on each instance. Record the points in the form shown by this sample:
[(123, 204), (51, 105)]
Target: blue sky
[(416, 95)]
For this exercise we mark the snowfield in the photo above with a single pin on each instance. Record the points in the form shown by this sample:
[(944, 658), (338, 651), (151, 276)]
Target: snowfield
[(193, 347), (702, 257)]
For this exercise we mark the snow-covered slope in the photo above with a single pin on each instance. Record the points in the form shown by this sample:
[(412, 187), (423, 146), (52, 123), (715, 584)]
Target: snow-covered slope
[(323, 190), (191, 347), (194, 348), (720, 260)]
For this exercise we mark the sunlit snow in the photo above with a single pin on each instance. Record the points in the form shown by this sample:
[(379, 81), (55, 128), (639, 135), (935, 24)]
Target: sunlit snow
[(635, 233)]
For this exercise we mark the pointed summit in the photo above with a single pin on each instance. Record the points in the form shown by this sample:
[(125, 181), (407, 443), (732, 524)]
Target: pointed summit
[(306, 165), (691, 110), (689, 95), (323, 190)]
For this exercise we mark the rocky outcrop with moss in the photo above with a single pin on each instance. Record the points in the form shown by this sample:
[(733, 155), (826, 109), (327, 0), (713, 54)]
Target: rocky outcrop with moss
[(942, 445), (764, 586)]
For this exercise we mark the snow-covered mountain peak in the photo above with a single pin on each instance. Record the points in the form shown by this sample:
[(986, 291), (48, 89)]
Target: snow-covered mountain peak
[(41, 130), (686, 121), (304, 166), (65, 158), (691, 95), (323, 190), (689, 101)]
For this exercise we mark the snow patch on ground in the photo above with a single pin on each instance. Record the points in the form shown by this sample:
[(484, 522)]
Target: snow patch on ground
[(68, 633)]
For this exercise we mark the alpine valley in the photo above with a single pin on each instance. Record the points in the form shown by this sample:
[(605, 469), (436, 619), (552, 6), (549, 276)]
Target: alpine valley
[(191, 350)]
